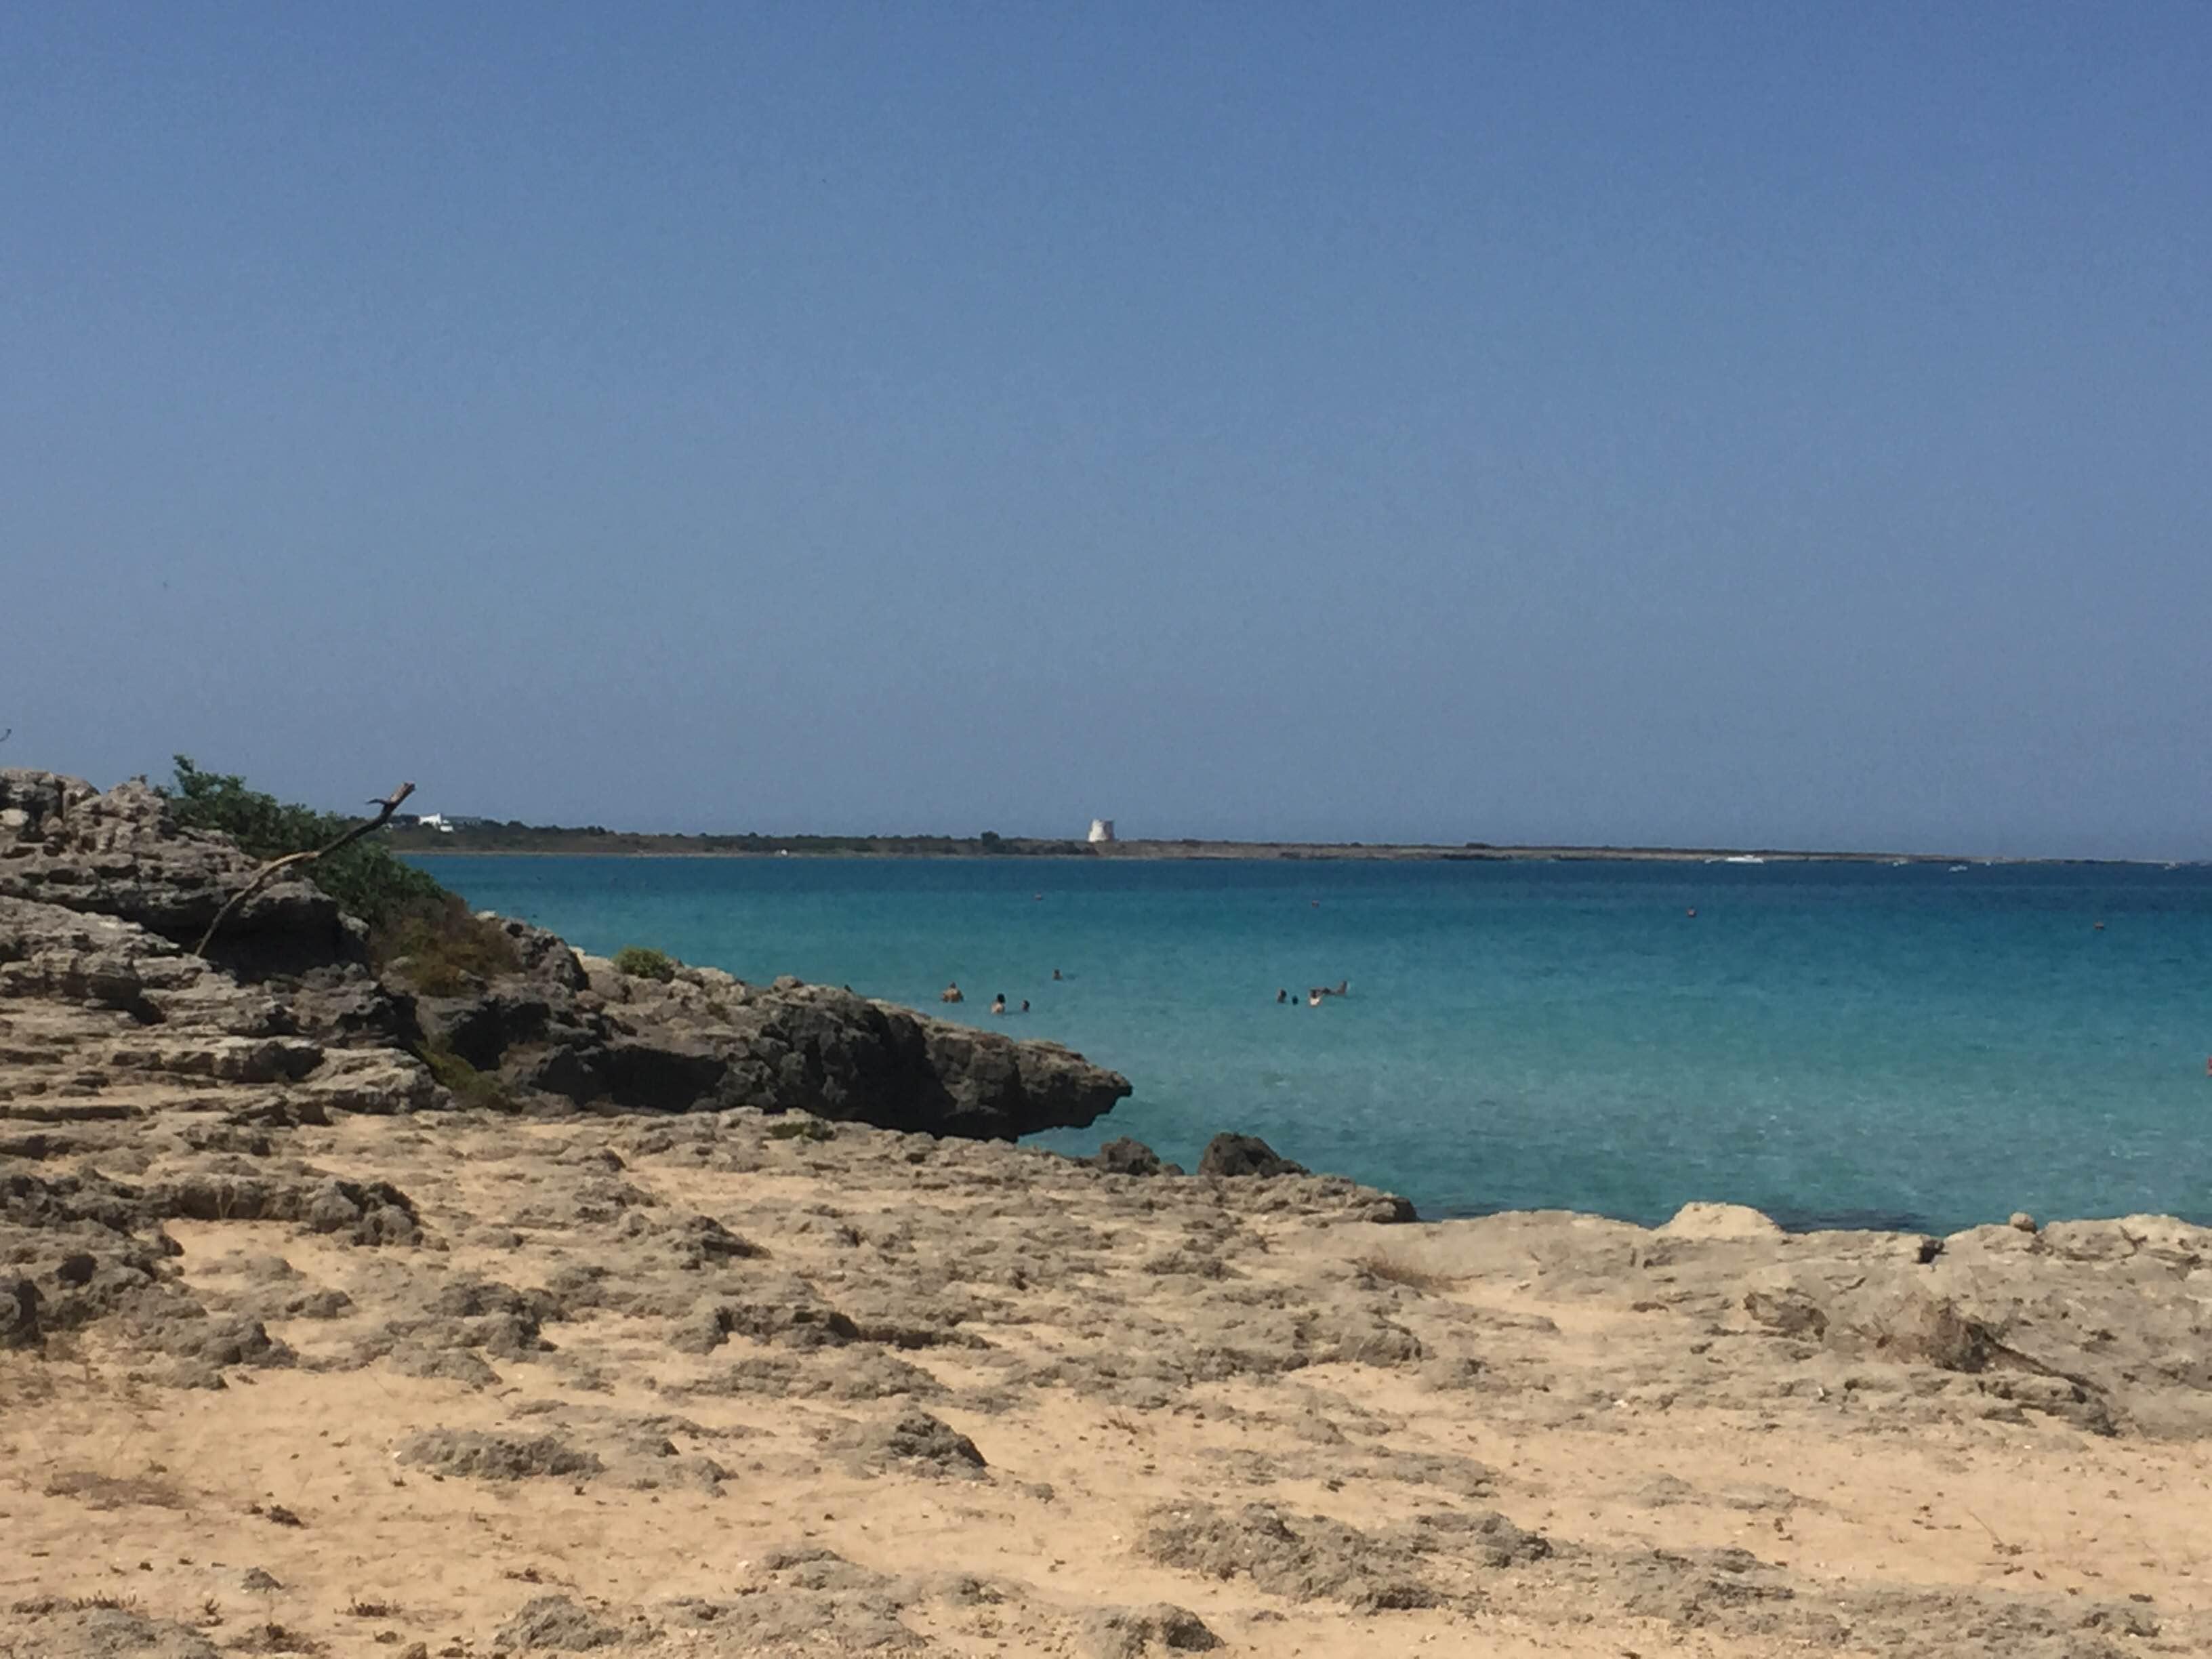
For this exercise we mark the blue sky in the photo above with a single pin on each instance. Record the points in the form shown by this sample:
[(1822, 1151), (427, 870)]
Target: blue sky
[(1705, 424)]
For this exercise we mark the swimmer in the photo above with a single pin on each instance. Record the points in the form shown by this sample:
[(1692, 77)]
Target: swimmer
[(1055, 973), (1025, 1005), (1343, 989), (1314, 996), (950, 994), (1282, 997), (999, 1003), (1692, 913)]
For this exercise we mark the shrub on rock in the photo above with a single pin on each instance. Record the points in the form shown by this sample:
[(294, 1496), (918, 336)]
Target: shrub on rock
[(367, 878), (640, 963)]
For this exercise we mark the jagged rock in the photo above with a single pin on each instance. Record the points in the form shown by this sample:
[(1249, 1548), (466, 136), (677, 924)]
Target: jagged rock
[(703, 1042), (19, 1313), (1128, 1632), (1932, 1331), (1790, 1311), (541, 955), (555, 1624), (1300, 1558), (1244, 1155), (469, 1454), (914, 1440), (119, 853), (1131, 1157), (67, 1629)]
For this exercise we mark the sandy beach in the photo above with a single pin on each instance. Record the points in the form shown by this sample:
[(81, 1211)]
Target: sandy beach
[(705, 1386)]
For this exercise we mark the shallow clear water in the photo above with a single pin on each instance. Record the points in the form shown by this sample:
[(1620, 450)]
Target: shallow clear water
[(1847, 1043)]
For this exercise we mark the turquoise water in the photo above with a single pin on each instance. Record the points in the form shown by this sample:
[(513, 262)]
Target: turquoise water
[(1842, 1043)]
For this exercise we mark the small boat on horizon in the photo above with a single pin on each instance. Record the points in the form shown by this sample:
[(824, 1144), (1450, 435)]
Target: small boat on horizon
[(1743, 858)]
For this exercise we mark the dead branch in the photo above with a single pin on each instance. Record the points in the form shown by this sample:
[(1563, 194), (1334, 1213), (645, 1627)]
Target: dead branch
[(269, 871)]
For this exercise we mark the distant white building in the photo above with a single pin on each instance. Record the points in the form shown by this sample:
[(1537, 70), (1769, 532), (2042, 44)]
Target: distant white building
[(1101, 829), (435, 821)]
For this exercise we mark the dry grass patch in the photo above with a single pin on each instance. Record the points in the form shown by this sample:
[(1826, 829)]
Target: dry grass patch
[(109, 1492), (42, 1607), (1393, 1271)]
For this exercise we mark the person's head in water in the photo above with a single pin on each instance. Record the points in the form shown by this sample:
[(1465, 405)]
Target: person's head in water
[(1282, 996), (999, 1003), (1025, 1005), (1055, 973)]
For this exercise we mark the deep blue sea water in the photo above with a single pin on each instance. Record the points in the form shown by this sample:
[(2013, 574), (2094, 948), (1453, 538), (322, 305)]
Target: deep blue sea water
[(1833, 1043)]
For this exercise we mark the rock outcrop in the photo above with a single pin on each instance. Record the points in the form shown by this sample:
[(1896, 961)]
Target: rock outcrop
[(1233, 1155), (119, 853), (579, 1031), (103, 896), (2097, 1324)]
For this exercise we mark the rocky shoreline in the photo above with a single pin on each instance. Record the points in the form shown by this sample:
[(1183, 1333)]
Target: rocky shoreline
[(713, 1319), (102, 898)]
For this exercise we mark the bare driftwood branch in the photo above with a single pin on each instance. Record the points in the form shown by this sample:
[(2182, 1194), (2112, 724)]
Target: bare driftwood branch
[(269, 872)]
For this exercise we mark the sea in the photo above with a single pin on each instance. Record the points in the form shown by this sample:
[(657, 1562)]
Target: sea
[(1837, 1044)]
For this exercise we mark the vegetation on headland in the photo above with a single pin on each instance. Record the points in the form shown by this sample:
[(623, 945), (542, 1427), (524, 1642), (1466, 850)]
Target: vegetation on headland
[(485, 836), (412, 918), (361, 877), (366, 878), (480, 836)]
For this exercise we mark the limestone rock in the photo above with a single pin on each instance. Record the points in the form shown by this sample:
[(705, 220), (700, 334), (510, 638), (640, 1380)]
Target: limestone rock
[(704, 1042), (103, 896), (1244, 1155), (1130, 1632), (1720, 1221), (1131, 1157), (119, 853)]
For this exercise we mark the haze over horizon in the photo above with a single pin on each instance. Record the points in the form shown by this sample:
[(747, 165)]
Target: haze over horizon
[(1585, 424)]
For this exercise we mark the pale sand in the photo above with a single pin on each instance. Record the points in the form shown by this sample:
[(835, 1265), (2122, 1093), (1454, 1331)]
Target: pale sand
[(1140, 1347)]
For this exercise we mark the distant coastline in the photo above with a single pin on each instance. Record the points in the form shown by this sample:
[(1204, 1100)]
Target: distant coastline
[(523, 840)]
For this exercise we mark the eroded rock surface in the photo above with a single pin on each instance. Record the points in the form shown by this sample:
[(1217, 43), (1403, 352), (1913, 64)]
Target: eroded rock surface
[(105, 1012), (688, 1385)]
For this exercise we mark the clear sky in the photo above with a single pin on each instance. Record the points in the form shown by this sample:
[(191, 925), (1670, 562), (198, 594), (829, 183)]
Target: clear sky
[(1769, 424)]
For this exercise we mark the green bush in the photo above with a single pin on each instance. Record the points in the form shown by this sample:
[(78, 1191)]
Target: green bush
[(368, 879), (636, 960), (484, 1091), (442, 948)]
